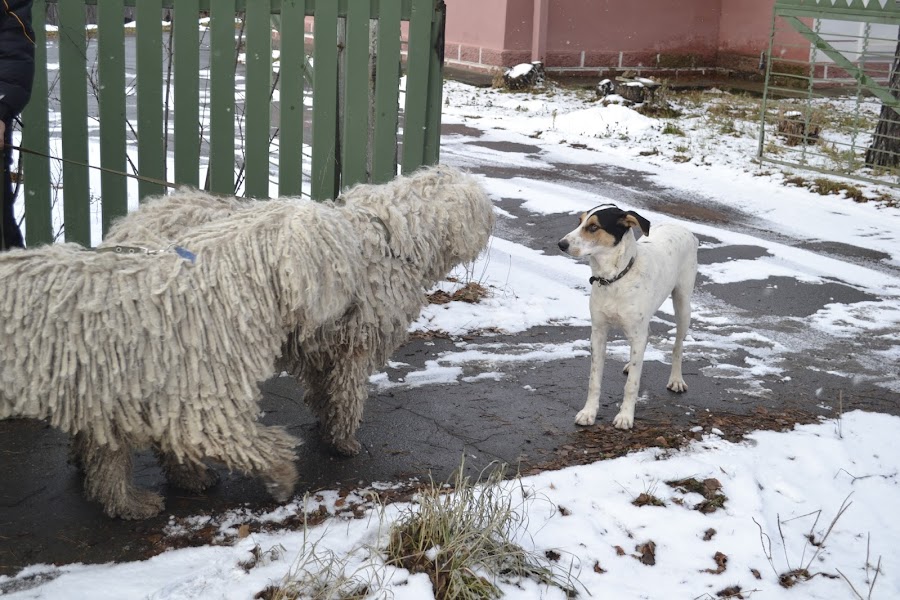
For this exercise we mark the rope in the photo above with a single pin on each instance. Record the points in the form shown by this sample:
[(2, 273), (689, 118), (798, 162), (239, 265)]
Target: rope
[(103, 169)]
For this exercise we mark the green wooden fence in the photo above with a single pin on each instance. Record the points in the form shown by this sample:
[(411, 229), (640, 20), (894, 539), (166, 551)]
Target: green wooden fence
[(843, 55), (172, 105)]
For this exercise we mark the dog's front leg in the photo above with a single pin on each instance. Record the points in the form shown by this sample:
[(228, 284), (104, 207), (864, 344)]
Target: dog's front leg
[(587, 415), (336, 390), (108, 477), (638, 340)]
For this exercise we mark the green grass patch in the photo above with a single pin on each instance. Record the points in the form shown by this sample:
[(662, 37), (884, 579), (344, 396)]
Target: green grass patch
[(672, 129)]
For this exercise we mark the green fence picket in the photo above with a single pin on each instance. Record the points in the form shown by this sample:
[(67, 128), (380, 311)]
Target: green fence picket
[(387, 75), (432, 150), (220, 176), (290, 80), (187, 92), (149, 96), (36, 137), (74, 112), (257, 98), (324, 176), (418, 63), (111, 104), (356, 95)]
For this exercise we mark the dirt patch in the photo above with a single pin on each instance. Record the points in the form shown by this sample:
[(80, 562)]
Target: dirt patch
[(603, 441), (694, 212)]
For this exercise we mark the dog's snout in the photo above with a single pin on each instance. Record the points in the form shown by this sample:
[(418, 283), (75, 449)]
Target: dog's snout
[(563, 244)]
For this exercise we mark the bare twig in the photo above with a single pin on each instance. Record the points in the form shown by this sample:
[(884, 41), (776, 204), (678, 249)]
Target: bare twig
[(787, 561), (871, 587), (766, 543), (854, 478), (840, 419)]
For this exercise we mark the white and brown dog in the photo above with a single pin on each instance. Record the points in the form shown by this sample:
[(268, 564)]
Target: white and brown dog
[(630, 280)]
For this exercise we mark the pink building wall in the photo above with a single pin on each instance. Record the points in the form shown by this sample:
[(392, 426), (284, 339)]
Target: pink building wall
[(595, 36), (744, 27), (476, 34)]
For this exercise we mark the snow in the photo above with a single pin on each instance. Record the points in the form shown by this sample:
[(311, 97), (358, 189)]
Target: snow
[(604, 121), (520, 70), (780, 487)]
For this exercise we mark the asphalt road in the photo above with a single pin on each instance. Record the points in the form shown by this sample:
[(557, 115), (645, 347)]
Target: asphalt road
[(521, 418)]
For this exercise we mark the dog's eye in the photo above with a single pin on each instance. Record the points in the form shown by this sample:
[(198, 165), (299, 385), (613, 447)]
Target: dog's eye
[(592, 228)]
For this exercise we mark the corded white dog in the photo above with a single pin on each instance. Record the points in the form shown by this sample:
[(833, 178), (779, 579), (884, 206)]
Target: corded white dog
[(630, 281)]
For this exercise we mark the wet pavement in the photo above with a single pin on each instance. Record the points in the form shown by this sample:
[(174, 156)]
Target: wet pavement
[(523, 414)]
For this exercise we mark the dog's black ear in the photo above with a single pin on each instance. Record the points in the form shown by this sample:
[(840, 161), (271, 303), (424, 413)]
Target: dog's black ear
[(632, 219)]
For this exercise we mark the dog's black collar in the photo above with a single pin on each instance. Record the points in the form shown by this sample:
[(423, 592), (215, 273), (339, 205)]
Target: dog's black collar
[(605, 281)]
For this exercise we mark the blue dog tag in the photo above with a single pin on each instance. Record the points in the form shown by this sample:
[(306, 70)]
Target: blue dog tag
[(185, 254)]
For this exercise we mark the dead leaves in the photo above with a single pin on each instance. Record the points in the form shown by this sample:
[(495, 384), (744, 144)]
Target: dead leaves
[(647, 552), (721, 564), (708, 488), (471, 292), (646, 499)]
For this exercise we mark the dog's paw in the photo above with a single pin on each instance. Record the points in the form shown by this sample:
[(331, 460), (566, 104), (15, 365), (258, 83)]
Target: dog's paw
[(280, 481), (623, 421), (585, 417), (347, 447), (677, 385), (139, 504), (193, 478), (202, 480)]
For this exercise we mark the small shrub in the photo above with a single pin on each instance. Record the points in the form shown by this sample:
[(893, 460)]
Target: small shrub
[(795, 180), (320, 574), (672, 129), (497, 79), (462, 540), (647, 499), (729, 127), (774, 149)]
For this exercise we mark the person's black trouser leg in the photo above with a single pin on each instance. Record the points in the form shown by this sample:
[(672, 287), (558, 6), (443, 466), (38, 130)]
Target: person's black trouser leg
[(10, 235)]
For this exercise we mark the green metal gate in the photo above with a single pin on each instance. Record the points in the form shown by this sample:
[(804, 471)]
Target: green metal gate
[(831, 87), (201, 102)]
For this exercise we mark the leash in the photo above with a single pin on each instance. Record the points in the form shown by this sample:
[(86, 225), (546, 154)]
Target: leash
[(102, 169), (605, 281), (132, 250)]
